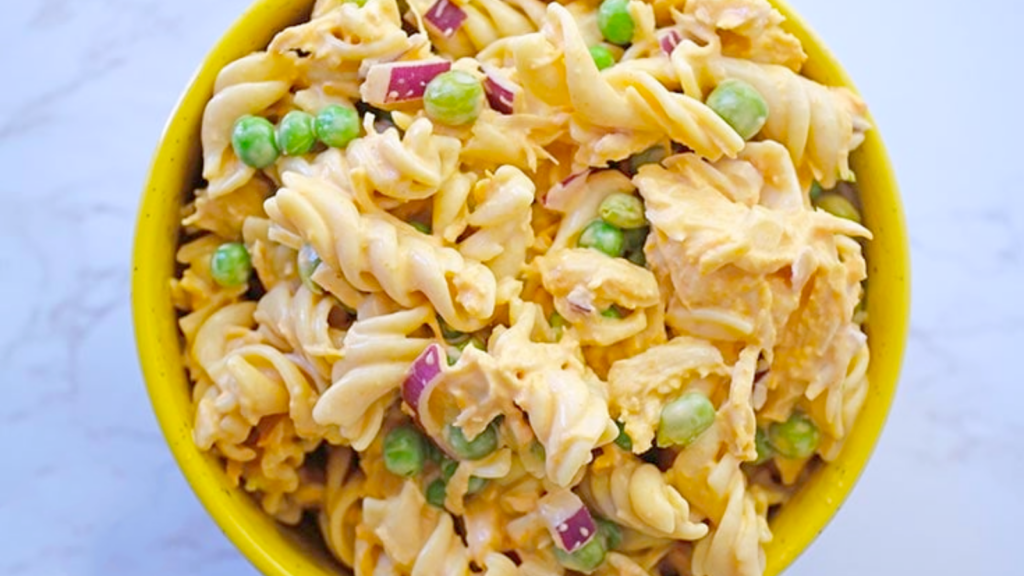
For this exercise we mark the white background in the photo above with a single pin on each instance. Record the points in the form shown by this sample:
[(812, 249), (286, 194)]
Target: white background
[(88, 487)]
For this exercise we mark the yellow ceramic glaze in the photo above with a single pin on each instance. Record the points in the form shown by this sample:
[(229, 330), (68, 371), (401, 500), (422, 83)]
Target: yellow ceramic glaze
[(280, 551)]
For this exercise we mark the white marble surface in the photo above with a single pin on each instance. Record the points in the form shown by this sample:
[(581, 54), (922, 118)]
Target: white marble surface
[(88, 487)]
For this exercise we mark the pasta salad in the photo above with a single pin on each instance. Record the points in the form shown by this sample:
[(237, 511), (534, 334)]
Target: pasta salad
[(524, 288)]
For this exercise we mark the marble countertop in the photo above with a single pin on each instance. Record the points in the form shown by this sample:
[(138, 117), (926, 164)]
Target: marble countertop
[(88, 486)]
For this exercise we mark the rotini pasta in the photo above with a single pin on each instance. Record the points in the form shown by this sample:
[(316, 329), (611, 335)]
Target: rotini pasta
[(298, 320), (636, 495), (482, 22), (378, 352), (462, 291), (502, 222), (412, 167), (527, 289), (606, 107), (248, 86)]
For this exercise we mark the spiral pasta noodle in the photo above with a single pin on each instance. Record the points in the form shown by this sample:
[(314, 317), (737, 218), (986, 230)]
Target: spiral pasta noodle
[(566, 406), (248, 86), (410, 168), (378, 353), (331, 48), (502, 222), (415, 538), (484, 22), (605, 107), (509, 287), (584, 282), (818, 125), (312, 209), (341, 513), (635, 495), (298, 320)]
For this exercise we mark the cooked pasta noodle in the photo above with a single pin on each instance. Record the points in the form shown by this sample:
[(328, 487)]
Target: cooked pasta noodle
[(366, 254), (377, 355), (503, 287), (636, 495)]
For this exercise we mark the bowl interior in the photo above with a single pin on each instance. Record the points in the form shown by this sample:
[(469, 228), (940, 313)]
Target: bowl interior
[(277, 550)]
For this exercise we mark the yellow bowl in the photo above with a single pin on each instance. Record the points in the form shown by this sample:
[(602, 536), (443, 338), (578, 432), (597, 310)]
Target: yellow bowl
[(279, 551)]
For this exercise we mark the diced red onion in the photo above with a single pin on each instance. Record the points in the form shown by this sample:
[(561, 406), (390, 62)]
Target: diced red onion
[(568, 520), (572, 177), (558, 197), (581, 300), (446, 18), (392, 82), (670, 40), (425, 369), (500, 95)]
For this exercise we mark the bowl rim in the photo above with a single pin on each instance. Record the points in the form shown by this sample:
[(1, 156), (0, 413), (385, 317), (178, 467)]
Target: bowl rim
[(159, 353)]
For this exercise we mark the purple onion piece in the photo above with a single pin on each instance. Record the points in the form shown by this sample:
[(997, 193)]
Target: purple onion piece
[(568, 520), (446, 18), (670, 40), (558, 197), (499, 96), (425, 369), (572, 177), (391, 82), (577, 530)]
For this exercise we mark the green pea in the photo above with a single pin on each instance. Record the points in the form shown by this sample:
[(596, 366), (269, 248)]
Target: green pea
[(815, 191), (623, 210), (480, 447), (652, 155), (558, 324), (296, 133), (764, 447), (437, 491), (475, 341), (615, 22), (585, 559), (633, 242), (231, 265), (612, 312), (602, 56), (420, 226), (359, 3), (538, 451), (610, 531), (602, 237), (454, 98), (404, 451), (336, 126), (433, 453), (623, 440), (460, 347), (254, 142), (476, 485), (448, 468), (308, 261), (838, 205), (795, 438), (741, 106), (450, 334), (683, 420)]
